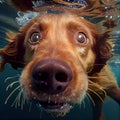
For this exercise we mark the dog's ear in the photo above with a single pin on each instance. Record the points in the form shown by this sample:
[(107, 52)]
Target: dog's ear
[(105, 47), (13, 53), (103, 50)]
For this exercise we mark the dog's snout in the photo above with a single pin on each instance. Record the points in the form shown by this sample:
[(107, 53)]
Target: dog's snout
[(51, 76)]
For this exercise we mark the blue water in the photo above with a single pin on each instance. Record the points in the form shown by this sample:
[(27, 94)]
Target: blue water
[(29, 112)]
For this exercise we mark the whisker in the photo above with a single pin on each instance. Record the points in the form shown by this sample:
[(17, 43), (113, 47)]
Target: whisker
[(89, 96), (95, 85), (17, 88), (30, 106), (23, 101), (98, 87), (17, 100), (96, 77), (41, 110), (96, 94), (11, 85), (9, 78), (83, 102)]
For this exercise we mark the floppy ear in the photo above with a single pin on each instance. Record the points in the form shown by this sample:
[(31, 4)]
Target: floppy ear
[(13, 53), (103, 50)]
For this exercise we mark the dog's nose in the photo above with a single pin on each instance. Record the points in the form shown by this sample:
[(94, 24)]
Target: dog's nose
[(51, 76)]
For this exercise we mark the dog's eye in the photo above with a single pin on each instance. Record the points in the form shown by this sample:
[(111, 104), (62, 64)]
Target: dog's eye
[(35, 37), (81, 38)]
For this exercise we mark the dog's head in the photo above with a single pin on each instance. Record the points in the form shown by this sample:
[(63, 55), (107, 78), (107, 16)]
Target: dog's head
[(58, 52)]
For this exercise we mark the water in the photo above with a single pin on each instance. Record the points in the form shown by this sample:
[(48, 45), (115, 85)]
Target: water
[(30, 111)]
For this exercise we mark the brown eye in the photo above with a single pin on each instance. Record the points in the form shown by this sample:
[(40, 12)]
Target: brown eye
[(82, 39), (35, 37)]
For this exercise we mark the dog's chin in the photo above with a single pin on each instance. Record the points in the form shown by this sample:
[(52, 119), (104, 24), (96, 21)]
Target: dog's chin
[(56, 109)]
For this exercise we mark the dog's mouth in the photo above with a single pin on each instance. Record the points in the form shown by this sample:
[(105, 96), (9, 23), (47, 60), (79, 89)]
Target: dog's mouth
[(57, 108)]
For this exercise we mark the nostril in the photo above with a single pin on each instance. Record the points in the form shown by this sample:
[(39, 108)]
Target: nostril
[(61, 76), (40, 79), (59, 88), (43, 76)]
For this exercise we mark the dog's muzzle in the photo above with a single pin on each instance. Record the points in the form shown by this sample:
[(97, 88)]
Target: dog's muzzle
[(51, 76)]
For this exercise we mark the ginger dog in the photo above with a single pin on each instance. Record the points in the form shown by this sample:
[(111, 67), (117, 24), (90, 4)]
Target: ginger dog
[(64, 59)]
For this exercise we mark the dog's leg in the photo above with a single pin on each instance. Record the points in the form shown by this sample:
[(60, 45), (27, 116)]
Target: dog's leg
[(102, 117), (114, 93), (98, 115), (97, 109)]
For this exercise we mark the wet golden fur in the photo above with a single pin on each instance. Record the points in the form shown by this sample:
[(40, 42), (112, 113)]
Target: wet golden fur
[(88, 61)]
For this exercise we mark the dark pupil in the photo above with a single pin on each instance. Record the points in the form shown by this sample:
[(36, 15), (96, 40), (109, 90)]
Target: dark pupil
[(35, 38), (81, 39)]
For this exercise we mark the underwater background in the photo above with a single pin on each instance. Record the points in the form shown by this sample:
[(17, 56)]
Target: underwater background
[(10, 111)]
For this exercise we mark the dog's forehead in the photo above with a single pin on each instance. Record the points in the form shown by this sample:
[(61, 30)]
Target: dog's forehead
[(62, 16), (63, 19)]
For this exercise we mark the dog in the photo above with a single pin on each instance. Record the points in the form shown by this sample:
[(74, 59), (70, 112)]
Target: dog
[(64, 58)]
